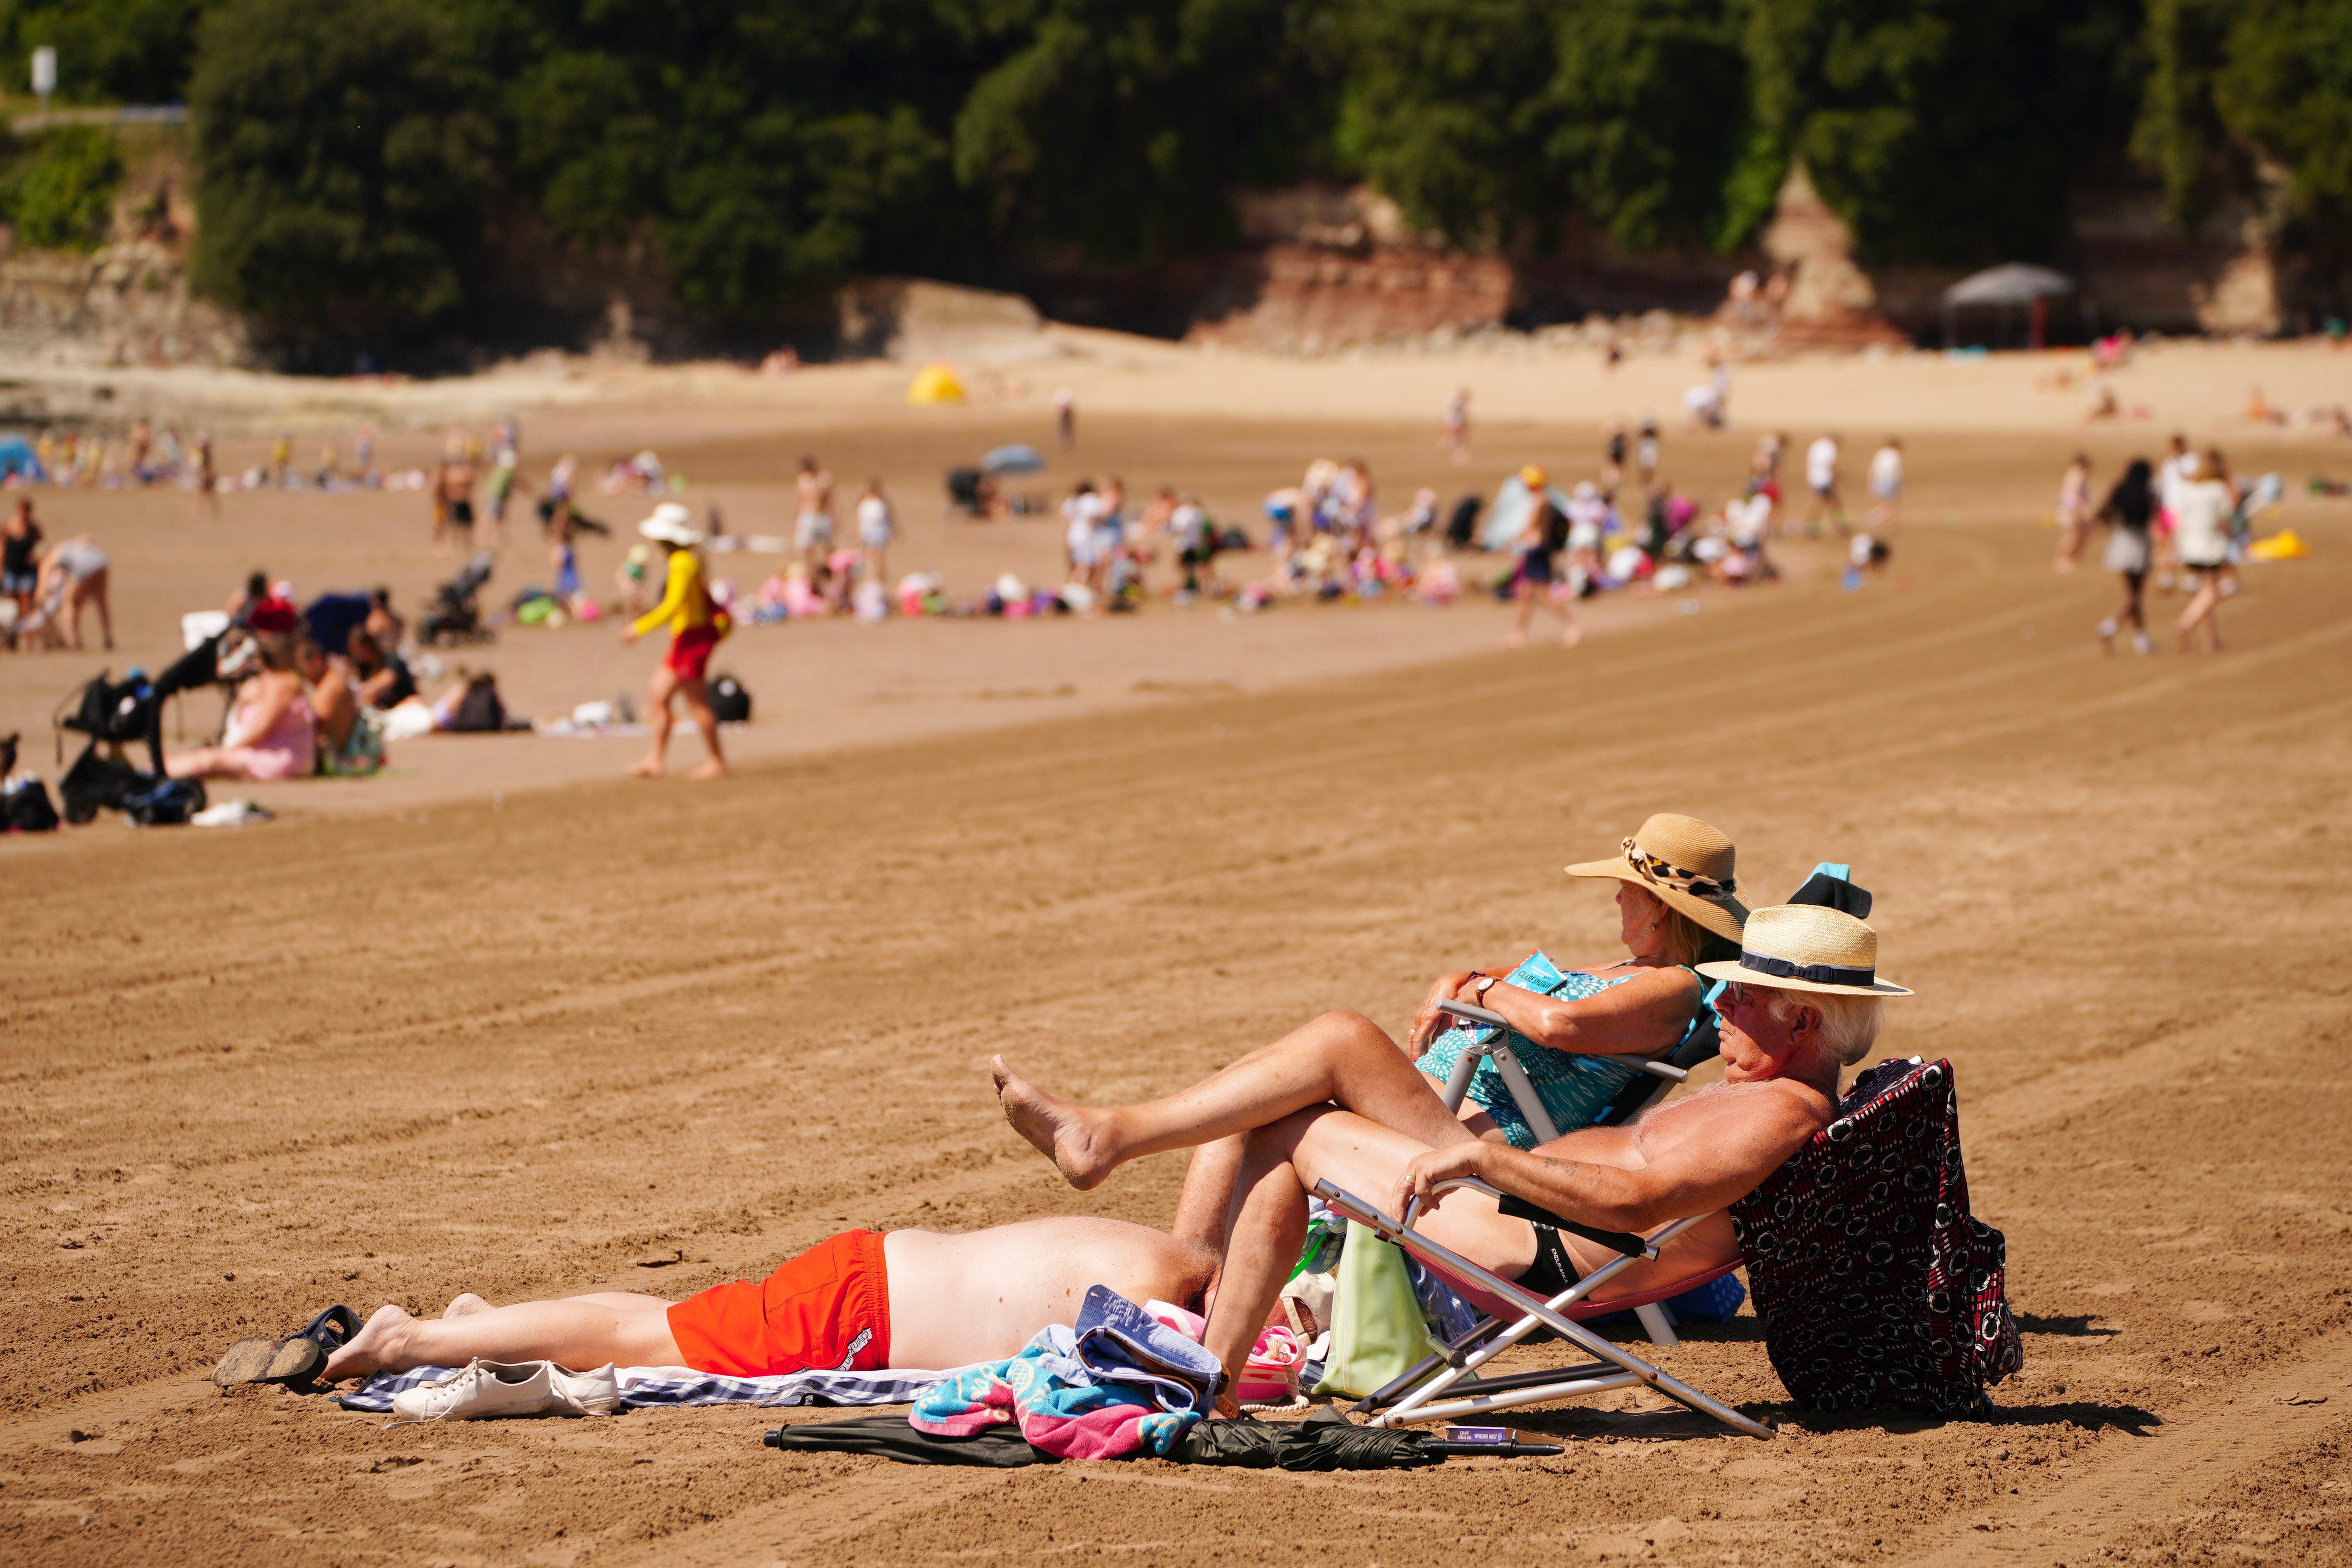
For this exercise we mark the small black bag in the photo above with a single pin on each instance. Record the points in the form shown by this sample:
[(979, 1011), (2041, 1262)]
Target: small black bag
[(165, 803), (729, 703), (24, 807), (479, 712), (96, 784)]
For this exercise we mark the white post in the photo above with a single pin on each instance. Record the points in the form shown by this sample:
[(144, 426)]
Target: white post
[(45, 77)]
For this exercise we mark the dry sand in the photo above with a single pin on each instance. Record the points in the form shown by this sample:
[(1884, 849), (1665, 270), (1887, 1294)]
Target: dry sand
[(517, 1044)]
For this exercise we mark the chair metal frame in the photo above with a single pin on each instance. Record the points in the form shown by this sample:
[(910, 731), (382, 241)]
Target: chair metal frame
[(1612, 1367), (1656, 1321)]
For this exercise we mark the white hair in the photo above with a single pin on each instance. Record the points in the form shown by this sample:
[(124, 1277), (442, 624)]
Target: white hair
[(1849, 1023)]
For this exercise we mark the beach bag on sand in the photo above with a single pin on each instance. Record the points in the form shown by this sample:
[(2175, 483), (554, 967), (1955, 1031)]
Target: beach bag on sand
[(729, 703), (479, 712), (24, 807), (1376, 1330), (1876, 1286)]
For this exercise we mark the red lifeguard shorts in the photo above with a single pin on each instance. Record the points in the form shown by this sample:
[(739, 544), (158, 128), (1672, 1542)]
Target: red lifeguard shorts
[(689, 652), (827, 1309)]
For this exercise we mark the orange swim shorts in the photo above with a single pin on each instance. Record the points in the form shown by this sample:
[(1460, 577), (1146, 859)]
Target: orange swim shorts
[(829, 1310)]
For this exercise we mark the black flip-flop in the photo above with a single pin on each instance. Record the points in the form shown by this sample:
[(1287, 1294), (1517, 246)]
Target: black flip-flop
[(297, 1359)]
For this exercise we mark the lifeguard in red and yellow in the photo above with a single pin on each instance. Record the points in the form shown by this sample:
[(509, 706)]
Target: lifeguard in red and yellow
[(696, 626)]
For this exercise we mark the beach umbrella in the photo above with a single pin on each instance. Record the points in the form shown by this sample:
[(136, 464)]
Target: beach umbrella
[(935, 384), (1013, 459), (2015, 284)]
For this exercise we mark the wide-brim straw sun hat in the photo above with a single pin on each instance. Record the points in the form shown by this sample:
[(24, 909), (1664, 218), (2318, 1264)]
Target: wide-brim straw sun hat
[(672, 524), (1684, 862), (1807, 947)]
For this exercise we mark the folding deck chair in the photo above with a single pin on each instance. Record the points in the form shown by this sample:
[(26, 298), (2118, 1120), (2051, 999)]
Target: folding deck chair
[(1653, 1077), (1875, 1284)]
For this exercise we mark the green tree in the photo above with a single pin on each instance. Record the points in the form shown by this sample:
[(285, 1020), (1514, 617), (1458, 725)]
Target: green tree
[(1121, 126), (2284, 91), (128, 51), (1947, 130), (341, 150), (767, 147), (61, 196)]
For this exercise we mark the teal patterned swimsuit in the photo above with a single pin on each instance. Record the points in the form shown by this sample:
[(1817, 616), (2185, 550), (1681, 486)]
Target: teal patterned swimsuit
[(1573, 1085)]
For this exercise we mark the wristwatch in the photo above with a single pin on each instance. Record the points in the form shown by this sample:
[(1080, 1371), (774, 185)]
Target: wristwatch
[(1478, 992)]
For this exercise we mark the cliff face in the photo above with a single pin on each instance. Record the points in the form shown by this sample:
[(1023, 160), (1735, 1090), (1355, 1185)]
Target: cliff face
[(126, 303)]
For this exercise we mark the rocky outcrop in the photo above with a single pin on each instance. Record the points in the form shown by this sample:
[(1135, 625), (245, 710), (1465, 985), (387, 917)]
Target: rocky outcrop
[(121, 304)]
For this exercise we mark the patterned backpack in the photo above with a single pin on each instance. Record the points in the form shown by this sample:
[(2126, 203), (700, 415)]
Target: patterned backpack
[(1875, 1284)]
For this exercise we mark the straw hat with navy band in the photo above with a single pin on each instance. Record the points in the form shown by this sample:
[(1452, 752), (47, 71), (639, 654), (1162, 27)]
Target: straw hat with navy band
[(1806, 947), (1686, 863)]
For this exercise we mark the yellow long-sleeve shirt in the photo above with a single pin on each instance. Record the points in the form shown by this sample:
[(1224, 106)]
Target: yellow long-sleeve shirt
[(685, 603)]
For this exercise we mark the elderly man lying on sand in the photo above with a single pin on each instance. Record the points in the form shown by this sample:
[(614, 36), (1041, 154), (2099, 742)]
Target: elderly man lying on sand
[(1803, 1004)]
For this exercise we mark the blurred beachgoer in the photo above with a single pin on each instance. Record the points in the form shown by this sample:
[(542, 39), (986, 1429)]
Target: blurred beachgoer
[(2129, 509), (73, 576), (381, 623), (1588, 516), (1533, 579), (1645, 451), (813, 530), (207, 476), (452, 495), (696, 625), (877, 528), (1455, 442), (629, 578), (563, 531), (382, 677), (142, 439), (2178, 468), (348, 736), (1613, 455), (2074, 510), (1081, 533), (1285, 510), (2200, 523), (281, 457), (506, 479), (1065, 417), (363, 457), (20, 555), (1821, 478), (1708, 404), (271, 733), (1885, 484)]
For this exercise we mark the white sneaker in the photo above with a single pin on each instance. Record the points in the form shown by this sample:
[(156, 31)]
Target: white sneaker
[(483, 1388)]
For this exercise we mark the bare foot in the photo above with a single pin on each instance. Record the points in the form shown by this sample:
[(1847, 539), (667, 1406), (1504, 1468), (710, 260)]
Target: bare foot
[(1067, 1134), (1571, 636), (715, 768), (1515, 639), (465, 1305), (646, 768), (378, 1340)]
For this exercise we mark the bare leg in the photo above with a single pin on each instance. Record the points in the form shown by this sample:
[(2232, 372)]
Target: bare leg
[(1339, 1057), (575, 1334), (1287, 1159), (1203, 1208), (658, 695), (2200, 612), (91, 590), (1525, 592), (1269, 1222), (698, 707)]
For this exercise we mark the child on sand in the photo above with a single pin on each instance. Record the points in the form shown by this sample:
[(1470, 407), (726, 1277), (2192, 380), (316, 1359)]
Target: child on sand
[(696, 625)]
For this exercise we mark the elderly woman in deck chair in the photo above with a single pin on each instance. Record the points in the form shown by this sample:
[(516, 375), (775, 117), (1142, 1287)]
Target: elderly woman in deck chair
[(1800, 1003), (1677, 905)]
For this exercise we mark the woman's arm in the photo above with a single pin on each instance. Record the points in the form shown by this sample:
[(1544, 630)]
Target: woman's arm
[(1641, 1016), (1459, 986)]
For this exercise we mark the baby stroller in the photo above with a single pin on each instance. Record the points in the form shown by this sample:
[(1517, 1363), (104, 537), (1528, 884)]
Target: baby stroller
[(115, 714), (456, 619)]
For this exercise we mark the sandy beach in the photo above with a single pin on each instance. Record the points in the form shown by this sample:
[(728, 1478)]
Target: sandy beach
[(500, 1020)]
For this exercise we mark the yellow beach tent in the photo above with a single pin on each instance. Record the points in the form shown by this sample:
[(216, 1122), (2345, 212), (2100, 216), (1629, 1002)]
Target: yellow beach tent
[(935, 383)]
